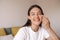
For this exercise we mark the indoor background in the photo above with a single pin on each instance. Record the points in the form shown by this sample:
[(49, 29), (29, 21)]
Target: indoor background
[(14, 12)]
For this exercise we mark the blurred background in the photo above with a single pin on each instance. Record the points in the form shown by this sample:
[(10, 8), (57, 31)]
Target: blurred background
[(14, 12)]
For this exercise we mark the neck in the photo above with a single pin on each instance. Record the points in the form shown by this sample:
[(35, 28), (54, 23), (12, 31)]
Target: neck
[(35, 27)]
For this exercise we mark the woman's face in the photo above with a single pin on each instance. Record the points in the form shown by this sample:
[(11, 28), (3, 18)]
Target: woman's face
[(35, 16)]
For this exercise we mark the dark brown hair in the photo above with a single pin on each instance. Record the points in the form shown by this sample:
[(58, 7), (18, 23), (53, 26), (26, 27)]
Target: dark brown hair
[(28, 23)]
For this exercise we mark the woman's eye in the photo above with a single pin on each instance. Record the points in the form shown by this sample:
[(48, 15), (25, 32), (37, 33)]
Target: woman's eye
[(39, 13), (35, 14), (32, 13)]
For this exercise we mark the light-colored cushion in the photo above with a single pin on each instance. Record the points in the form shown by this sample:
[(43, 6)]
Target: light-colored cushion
[(2, 32), (14, 30), (6, 37)]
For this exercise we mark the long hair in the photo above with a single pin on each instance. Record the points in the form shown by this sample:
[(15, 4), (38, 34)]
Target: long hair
[(28, 23)]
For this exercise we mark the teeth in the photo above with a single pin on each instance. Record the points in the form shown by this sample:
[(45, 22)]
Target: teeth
[(37, 20)]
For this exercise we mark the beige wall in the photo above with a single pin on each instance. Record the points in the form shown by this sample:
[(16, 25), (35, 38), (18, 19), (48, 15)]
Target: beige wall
[(14, 12)]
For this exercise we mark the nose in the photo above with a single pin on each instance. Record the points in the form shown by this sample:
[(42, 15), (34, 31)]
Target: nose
[(36, 16)]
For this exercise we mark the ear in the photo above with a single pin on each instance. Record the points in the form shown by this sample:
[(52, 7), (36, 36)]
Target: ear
[(29, 17)]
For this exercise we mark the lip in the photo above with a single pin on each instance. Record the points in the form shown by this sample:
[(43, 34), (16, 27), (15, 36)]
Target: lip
[(37, 20)]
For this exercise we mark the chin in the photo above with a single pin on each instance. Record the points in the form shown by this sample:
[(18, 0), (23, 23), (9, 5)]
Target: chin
[(37, 23)]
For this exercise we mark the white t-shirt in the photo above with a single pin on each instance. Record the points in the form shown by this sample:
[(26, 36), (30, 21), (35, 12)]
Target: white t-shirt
[(26, 33)]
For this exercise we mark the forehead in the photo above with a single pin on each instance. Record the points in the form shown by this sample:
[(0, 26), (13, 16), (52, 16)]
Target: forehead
[(35, 9)]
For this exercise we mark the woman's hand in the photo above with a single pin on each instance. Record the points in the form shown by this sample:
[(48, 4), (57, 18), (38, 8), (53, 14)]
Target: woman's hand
[(45, 23)]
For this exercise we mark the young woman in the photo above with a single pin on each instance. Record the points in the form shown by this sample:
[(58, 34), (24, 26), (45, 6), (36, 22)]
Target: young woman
[(37, 26)]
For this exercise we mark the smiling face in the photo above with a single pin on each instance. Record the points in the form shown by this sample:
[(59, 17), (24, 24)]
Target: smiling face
[(35, 16)]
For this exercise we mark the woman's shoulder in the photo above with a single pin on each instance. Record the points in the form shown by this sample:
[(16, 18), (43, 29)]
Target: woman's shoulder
[(43, 30), (24, 28)]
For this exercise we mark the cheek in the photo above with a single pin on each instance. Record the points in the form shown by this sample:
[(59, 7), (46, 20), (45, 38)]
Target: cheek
[(41, 17), (31, 18)]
